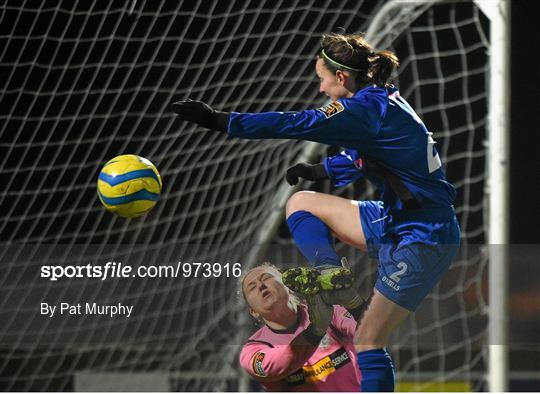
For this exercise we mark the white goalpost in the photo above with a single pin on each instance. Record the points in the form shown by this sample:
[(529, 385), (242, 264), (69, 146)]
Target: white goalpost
[(498, 190)]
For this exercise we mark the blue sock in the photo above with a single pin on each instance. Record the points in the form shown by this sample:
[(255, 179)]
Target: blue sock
[(377, 371), (313, 238)]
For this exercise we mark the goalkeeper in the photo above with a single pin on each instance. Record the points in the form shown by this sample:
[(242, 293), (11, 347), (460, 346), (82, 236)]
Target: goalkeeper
[(412, 230), (300, 347)]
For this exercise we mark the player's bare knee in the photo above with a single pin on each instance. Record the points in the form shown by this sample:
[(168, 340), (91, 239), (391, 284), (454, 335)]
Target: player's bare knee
[(299, 201)]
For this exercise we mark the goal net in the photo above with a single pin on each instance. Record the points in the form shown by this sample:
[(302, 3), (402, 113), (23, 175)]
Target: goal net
[(87, 81)]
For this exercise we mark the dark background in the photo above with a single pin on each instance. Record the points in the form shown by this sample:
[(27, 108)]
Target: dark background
[(525, 133), (524, 173)]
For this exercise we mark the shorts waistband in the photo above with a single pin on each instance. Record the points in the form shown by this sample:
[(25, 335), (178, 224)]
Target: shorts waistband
[(443, 214)]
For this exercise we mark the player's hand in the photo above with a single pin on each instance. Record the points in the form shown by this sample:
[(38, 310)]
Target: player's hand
[(320, 314), (311, 172), (202, 114), (347, 298), (333, 150)]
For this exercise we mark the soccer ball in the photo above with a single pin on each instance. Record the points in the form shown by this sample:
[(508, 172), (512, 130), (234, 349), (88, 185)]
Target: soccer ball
[(129, 186)]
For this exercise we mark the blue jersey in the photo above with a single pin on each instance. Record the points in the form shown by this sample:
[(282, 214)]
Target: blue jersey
[(376, 124)]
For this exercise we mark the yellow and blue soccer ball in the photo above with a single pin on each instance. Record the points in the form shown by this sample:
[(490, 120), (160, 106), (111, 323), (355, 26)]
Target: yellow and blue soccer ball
[(129, 185)]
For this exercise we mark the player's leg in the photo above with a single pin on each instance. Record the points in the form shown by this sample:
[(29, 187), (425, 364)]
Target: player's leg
[(407, 273), (380, 319), (398, 290), (308, 211), (313, 218)]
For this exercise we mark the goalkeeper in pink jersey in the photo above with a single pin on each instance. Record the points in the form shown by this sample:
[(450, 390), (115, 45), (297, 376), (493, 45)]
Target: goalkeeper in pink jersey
[(301, 347)]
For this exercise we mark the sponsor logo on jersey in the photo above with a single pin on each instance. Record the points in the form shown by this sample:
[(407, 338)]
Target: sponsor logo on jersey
[(321, 369), (258, 364), (331, 109), (296, 379)]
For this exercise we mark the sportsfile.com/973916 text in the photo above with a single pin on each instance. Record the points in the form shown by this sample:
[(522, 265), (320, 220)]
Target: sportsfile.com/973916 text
[(116, 270)]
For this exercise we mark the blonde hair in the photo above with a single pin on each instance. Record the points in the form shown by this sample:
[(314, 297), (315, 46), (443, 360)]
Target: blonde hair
[(351, 52), (270, 267)]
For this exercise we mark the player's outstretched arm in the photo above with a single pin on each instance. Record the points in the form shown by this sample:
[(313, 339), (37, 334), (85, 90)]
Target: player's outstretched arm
[(202, 114), (309, 125)]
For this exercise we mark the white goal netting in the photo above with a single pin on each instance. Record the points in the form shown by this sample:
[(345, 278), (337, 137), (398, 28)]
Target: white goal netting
[(87, 81)]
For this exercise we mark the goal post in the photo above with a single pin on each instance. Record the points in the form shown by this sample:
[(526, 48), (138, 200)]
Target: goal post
[(498, 190)]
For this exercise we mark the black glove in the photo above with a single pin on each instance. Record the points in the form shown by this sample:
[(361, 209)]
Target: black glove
[(311, 172), (333, 150), (202, 114)]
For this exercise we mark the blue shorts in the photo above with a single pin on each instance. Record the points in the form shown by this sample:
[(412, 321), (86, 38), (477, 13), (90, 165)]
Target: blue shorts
[(414, 248)]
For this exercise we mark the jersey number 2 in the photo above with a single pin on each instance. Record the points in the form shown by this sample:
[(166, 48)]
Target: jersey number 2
[(396, 276)]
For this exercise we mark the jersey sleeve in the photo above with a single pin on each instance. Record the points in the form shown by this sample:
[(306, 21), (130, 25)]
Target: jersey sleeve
[(344, 321), (344, 168), (267, 363), (343, 122)]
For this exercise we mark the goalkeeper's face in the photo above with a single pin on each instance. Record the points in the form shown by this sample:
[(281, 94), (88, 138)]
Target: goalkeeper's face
[(264, 291), (335, 85)]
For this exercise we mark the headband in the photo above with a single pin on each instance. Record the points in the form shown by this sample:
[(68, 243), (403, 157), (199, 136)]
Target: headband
[(336, 63)]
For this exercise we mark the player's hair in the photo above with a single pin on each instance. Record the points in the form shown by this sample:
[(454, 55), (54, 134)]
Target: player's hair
[(352, 53)]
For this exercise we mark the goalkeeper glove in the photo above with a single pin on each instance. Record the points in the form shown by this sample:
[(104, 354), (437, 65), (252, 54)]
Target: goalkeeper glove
[(311, 172), (347, 298), (202, 114), (320, 314)]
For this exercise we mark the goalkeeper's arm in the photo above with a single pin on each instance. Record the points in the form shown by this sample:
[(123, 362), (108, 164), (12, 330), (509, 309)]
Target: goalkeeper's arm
[(347, 298)]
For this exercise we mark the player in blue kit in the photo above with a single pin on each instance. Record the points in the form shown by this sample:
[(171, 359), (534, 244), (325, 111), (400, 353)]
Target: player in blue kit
[(412, 230)]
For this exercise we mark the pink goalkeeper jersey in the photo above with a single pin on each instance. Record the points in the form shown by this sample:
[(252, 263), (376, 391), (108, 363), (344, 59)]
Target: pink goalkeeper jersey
[(331, 366)]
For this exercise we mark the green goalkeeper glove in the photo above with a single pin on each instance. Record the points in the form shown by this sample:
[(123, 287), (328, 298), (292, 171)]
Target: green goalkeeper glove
[(320, 314), (347, 298), (202, 114)]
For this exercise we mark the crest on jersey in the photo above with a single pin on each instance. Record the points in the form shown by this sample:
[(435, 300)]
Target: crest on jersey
[(359, 163), (325, 342), (332, 109), (258, 364)]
